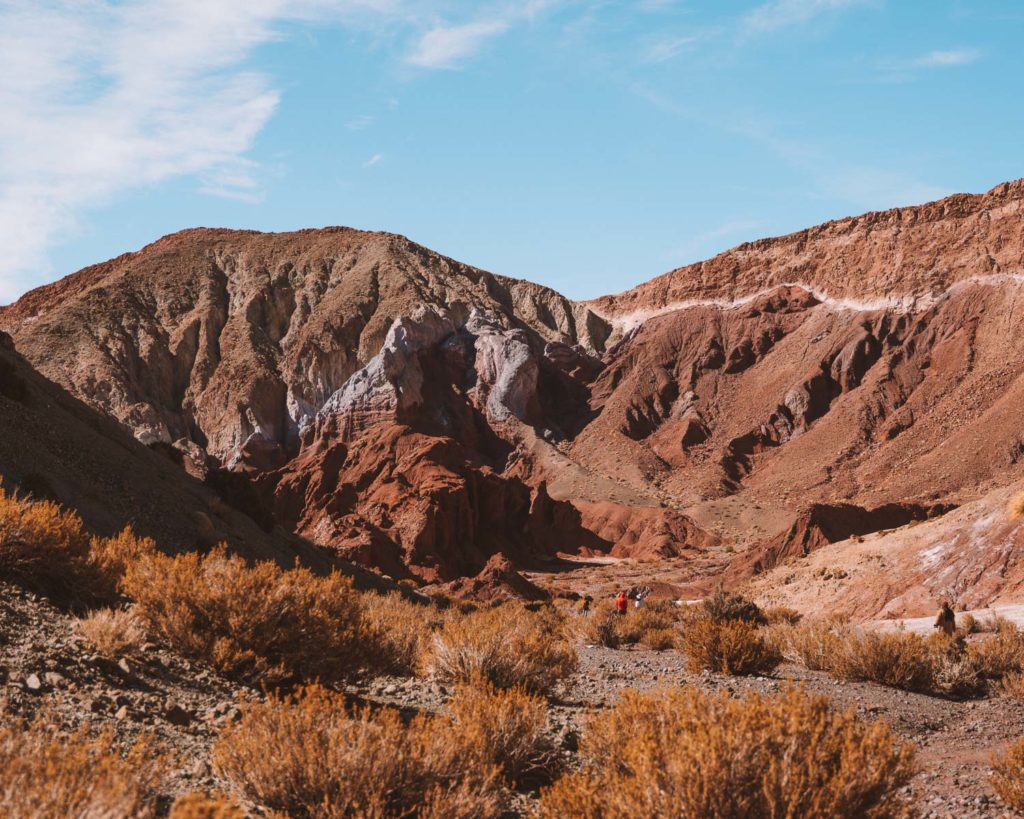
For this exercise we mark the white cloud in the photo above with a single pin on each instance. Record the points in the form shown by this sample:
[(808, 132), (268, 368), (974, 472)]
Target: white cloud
[(445, 46), (946, 59), (360, 122), (778, 14), (666, 48), (373, 160), (102, 96)]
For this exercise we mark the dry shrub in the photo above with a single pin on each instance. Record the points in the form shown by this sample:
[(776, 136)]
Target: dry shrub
[(1000, 653), (111, 556), (1015, 508), (1008, 776), (44, 546), (1012, 686), (968, 625), (505, 728), (810, 643), (205, 806), (723, 605), (650, 617), (601, 627), (954, 670), (507, 646), (397, 630), (782, 615), (729, 647), (307, 756), (660, 639), (112, 633), (44, 773), (899, 659), (257, 623), (684, 752)]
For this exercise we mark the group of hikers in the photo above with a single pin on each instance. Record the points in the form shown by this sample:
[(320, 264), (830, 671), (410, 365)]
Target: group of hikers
[(621, 601)]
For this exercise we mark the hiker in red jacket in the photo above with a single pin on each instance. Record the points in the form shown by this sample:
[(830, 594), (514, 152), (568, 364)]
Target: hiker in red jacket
[(621, 603)]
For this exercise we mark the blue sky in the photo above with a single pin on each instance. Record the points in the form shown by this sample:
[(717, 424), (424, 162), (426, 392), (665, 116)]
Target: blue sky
[(585, 144)]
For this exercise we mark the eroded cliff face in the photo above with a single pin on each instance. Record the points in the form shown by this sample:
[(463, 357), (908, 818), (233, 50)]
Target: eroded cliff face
[(421, 416)]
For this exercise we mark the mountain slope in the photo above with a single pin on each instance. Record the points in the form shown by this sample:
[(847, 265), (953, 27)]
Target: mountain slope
[(421, 415)]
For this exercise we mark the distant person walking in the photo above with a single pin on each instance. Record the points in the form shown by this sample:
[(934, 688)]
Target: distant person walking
[(946, 620), (585, 606), (621, 603)]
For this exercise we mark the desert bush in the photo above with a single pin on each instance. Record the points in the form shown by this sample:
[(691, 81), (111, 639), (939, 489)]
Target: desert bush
[(257, 623), (728, 647), (44, 546), (684, 752), (1012, 686), (396, 629), (811, 643), (782, 615), (111, 556), (968, 625), (601, 627), (657, 616), (506, 646), (307, 756), (1015, 508), (723, 605), (1000, 653), (112, 633), (507, 728), (1008, 776), (660, 639), (46, 773), (897, 659), (205, 806)]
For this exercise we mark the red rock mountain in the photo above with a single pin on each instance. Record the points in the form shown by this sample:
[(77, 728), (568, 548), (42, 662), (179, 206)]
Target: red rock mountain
[(420, 416)]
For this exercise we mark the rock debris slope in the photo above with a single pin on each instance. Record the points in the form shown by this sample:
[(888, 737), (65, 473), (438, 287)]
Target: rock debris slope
[(421, 416)]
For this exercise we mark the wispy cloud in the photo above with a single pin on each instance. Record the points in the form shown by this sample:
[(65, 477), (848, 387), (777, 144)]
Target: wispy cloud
[(373, 160), (360, 122), (447, 46), (948, 58), (664, 49), (779, 14)]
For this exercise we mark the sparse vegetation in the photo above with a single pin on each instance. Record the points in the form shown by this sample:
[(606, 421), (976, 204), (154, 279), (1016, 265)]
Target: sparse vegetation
[(45, 773), (1008, 776), (1000, 653), (1015, 508), (398, 630), (897, 659), (506, 646), (601, 627), (728, 647), (686, 753), (205, 806), (782, 615), (723, 606), (308, 755), (112, 633), (260, 623)]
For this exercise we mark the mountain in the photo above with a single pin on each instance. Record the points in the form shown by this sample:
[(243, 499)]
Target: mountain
[(420, 416)]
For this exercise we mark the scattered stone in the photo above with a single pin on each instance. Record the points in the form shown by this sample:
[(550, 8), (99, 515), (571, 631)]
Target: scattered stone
[(33, 683)]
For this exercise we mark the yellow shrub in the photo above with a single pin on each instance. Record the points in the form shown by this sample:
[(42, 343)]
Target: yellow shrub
[(1015, 509), (1000, 653), (601, 627), (308, 756), (1008, 776), (810, 643), (659, 639), (683, 752), (396, 630), (653, 616), (899, 660), (43, 545), (507, 646), (112, 633), (782, 614), (45, 773), (205, 806), (1012, 686), (728, 647), (259, 623), (111, 556)]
